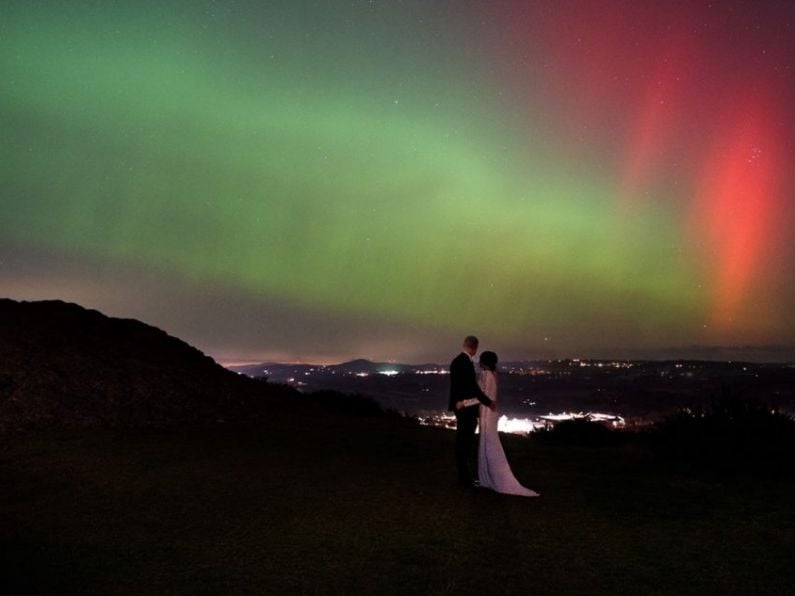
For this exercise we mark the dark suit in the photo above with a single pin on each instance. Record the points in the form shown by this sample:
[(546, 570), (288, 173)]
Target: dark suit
[(464, 385)]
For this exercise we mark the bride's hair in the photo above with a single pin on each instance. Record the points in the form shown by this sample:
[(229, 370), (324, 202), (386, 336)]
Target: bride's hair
[(488, 360)]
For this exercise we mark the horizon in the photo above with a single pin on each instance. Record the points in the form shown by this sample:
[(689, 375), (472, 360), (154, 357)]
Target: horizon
[(232, 363)]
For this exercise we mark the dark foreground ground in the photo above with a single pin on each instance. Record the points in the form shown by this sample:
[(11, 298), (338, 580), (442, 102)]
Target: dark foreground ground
[(328, 504)]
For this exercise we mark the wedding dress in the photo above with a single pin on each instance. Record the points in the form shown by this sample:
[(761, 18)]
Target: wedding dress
[(493, 469)]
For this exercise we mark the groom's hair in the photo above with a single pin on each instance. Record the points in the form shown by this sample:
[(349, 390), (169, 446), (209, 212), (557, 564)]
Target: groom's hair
[(471, 341)]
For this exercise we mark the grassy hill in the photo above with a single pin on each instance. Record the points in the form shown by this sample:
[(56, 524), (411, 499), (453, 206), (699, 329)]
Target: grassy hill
[(315, 502)]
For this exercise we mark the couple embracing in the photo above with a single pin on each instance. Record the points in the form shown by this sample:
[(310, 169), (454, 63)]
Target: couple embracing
[(473, 398)]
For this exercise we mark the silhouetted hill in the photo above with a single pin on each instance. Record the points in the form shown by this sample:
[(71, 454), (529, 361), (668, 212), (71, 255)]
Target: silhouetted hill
[(65, 366), (360, 364)]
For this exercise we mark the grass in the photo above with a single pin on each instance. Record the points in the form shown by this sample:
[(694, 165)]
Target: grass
[(319, 503)]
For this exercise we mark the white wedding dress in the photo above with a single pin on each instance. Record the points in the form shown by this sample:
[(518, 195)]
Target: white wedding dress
[(493, 469)]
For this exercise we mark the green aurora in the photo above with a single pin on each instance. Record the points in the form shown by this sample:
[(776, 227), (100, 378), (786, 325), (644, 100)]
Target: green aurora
[(316, 159)]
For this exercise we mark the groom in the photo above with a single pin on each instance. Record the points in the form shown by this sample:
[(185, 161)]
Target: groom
[(464, 385)]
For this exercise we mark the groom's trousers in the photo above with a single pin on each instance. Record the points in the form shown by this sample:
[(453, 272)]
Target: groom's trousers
[(466, 423)]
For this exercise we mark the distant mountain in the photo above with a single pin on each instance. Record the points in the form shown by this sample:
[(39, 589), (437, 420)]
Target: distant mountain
[(65, 366), (360, 364)]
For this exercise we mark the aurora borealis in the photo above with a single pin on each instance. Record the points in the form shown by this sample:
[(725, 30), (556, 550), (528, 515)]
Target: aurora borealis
[(325, 180)]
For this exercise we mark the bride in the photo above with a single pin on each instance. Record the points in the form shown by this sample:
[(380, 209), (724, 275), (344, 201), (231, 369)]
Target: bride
[(493, 469)]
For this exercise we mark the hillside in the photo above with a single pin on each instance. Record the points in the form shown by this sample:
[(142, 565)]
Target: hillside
[(326, 502), (63, 365)]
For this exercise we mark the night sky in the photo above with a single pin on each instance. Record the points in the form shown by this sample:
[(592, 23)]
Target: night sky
[(328, 180)]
